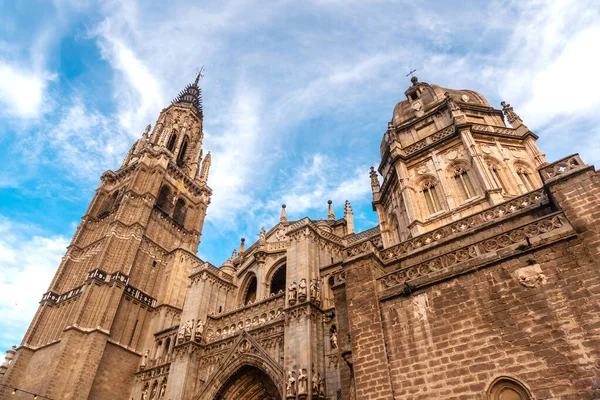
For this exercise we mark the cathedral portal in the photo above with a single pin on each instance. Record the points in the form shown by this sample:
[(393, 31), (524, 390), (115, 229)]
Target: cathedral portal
[(251, 383)]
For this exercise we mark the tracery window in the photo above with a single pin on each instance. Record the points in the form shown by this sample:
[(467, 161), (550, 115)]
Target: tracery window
[(525, 178), (164, 199), (508, 389), (463, 182), (251, 291), (431, 197), (182, 150), (172, 141), (278, 280), (108, 204), (497, 177), (180, 212)]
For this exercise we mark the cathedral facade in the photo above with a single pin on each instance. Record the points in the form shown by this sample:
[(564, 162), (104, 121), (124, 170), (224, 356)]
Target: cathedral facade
[(480, 281)]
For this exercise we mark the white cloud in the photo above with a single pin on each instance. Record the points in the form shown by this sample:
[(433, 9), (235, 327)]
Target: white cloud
[(27, 263), (22, 91)]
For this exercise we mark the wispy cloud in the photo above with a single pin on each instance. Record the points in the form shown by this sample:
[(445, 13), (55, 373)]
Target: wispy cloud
[(22, 91), (27, 263)]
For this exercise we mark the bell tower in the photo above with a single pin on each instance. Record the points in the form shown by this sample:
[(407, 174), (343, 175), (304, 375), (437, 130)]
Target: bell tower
[(120, 279)]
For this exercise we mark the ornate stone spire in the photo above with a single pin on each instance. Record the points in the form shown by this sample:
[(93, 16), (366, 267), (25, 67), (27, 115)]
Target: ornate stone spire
[(283, 216), (205, 168), (349, 217), (511, 116), (146, 132), (242, 249), (330, 214), (374, 181), (192, 94)]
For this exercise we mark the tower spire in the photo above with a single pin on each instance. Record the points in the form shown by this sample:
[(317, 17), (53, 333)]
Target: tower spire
[(192, 94)]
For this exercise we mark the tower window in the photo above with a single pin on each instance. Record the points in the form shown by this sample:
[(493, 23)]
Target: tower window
[(172, 141), (180, 211), (251, 291), (497, 178), (164, 199), (182, 150), (431, 197), (108, 204), (525, 177), (463, 182)]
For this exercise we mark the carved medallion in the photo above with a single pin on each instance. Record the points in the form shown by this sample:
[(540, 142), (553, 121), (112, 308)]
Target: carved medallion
[(464, 98), (452, 154), (486, 149)]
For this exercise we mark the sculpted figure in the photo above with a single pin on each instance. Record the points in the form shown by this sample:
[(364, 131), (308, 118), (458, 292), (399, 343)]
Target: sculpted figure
[(189, 326), (302, 290), (163, 389), (292, 288), (144, 359), (199, 331), (181, 333), (333, 339), (290, 387), (145, 394), (321, 386), (302, 382), (263, 234), (315, 382), (315, 291)]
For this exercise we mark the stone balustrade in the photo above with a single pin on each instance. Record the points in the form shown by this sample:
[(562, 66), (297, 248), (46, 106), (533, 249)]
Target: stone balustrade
[(562, 167)]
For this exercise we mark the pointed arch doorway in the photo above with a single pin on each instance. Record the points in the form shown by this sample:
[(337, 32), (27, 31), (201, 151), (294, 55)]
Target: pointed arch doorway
[(248, 383)]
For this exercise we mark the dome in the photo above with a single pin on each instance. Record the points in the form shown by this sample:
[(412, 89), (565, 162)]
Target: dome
[(421, 96)]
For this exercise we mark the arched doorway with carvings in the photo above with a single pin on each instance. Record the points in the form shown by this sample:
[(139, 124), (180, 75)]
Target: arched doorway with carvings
[(249, 383)]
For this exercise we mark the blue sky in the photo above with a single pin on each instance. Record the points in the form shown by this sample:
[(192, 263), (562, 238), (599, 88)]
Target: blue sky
[(297, 96)]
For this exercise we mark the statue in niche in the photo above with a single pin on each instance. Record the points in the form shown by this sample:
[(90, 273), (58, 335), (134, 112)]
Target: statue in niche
[(315, 291), (290, 387), (144, 394), (302, 290), (144, 359), (321, 386), (163, 390), (181, 333), (302, 382), (189, 326), (199, 331), (292, 288), (153, 393), (315, 382), (333, 339)]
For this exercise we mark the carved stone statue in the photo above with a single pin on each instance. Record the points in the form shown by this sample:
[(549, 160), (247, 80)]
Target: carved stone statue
[(144, 359), (333, 339), (145, 394), (315, 382), (163, 389), (315, 291), (263, 234), (321, 386), (292, 288), (290, 386), (189, 327), (153, 393), (302, 290), (302, 382), (181, 333), (199, 331)]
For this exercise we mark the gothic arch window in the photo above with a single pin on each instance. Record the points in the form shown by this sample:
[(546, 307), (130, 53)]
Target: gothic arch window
[(180, 212), (526, 178), (164, 199), (172, 141), (463, 183), (278, 280), (496, 173), (430, 193), (108, 204), (182, 150), (505, 388), (250, 292)]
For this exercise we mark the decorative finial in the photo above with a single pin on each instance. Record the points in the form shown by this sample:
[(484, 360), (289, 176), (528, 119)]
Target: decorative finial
[(242, 249), (205, 168), (451, 103), (147, 131), (511, 116), (374, 181), (349, 217), (283, 216), (330, 214), (199, 75)]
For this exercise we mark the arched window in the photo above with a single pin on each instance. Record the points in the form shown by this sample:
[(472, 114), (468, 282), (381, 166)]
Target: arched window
[(431, 197), (182, 150), (508, 389), (251, 291), (525, 178), (164, 199), (278, 280), (172, 141), (463, 182), (180, 211), (497, 177), (108, 204)]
